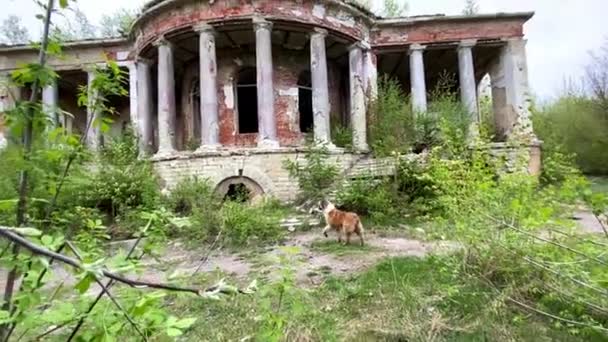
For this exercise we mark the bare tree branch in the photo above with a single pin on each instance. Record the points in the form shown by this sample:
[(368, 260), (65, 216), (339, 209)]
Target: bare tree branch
[(105, 290), (108, 285), (554, 317), (575, 251), (38, 250)]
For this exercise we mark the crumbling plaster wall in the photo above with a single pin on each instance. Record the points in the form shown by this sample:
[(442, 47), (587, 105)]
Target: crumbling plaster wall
[(177, 15), (288, 65)]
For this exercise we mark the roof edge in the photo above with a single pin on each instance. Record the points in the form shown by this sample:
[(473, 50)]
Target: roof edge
[(440, 18), (154, 5), (67, 45)]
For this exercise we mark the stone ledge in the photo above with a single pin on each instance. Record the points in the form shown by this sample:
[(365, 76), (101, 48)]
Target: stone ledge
[(245, 151)]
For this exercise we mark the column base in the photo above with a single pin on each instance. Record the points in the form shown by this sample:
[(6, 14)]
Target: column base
[(364, 148), (164, 153), (267, 143), (208, 148)]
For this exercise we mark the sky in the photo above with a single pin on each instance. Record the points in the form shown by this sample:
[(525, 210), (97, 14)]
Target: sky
[(560, 36)]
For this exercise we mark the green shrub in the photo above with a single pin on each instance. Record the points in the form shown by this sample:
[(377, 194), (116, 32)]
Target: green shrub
[(316, 176), (342, 136), (243, 224), (391, 121), (369, 196), (120, 181), (575, 125), (190, 194)]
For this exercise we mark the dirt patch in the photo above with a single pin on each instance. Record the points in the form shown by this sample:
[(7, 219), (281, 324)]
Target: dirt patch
[(312, 265)]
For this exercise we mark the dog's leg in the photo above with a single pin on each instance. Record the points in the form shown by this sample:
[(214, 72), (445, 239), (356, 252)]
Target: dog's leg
[(339, 231), (325, 230), (348, 238), (359, 232)]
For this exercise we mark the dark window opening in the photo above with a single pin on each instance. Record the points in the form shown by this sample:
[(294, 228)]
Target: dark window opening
[(238, 193), (247, 101), (305, 102)]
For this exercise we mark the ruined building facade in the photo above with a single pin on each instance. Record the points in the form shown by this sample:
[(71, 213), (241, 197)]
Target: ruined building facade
[(227, 90)]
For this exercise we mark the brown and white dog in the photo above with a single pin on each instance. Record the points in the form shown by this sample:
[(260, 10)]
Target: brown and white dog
[(344, 223)]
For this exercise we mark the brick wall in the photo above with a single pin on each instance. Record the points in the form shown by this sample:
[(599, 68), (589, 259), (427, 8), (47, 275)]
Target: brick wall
[(263, 167)]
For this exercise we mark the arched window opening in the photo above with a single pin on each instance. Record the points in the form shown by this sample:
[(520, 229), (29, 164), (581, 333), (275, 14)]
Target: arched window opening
[(305, 102), (247, 101)]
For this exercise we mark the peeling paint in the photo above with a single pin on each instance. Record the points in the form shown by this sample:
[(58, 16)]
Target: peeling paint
[(229, 96), (289, 92), (318, 11)]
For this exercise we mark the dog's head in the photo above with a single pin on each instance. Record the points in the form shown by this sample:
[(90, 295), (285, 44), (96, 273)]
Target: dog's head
[(321, 207)]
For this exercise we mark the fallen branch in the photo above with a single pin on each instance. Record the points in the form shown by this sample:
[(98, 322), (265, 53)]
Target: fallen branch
[(601, 224), (557, 318), (579, 238), (540, 312), (38, 250), (557, 273), (575, 251), (109, 284), (105, 290), (204, 259)]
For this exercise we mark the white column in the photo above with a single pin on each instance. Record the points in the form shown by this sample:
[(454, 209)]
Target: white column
[(144, 106), (267, 136), (511, 93), (370, 70), (417, 78), (466, 73), (166, 98), (50, 104), (7, 102), (210, 131), (93, 127), (320, 87), (357, 98)]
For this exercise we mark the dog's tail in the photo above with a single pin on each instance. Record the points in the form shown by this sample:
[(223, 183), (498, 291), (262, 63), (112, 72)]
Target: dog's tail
[(360, 231)]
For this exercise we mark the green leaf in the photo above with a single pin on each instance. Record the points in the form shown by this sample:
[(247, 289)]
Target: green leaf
[(63, 3), (185, 323), (5, 317), (173, 332), (47, 240), (85, 283), (27, 231), (8, 204)]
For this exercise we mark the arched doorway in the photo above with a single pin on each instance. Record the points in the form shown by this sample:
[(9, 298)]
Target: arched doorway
[(240, 189)]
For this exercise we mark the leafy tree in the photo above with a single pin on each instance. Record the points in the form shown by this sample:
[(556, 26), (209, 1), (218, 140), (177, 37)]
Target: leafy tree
[(471, 7), (13, 32), (395, 8), (597, 76), (117, 24), (76, 26)]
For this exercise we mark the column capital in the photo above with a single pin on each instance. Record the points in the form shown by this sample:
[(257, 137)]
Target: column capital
[(162, 41), (317, 31), (467, 43), (142, 60), (417, 47), (203, 27), (261, 23), (361, 45)]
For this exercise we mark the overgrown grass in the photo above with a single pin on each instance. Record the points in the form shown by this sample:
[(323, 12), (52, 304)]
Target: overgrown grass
[(402, 299)]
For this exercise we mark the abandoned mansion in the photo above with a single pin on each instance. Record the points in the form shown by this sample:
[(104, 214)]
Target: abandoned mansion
[(227, 90)]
